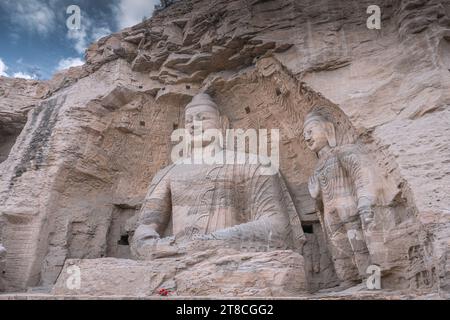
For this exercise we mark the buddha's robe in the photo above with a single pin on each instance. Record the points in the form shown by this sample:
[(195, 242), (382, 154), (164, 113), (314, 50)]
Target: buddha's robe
[(348, 188), (224, 202)]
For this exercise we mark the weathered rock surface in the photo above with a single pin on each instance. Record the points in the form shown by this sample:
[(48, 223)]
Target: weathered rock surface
[(209, 272), (95, 138), (17, 97), (2, 265)]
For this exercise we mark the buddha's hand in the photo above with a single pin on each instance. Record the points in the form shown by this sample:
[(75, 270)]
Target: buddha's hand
[(198, 236), (366, 213), (145, 234), (224, 234)]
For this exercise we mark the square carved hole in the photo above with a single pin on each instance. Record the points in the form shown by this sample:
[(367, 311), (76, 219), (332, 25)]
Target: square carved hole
[(308, 229), (123, 240)]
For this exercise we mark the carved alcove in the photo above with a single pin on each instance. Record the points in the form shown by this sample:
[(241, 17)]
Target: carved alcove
[(21, 225), (267, 97), (126, 143), (7, 139), (444, 51), (128, 140), (17, 98)]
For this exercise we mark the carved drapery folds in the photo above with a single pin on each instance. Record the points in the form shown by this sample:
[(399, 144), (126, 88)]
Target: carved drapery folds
[(234, 203), (355, 198)]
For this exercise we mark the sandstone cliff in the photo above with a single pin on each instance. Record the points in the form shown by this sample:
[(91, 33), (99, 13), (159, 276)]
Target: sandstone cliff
[(95, 135)]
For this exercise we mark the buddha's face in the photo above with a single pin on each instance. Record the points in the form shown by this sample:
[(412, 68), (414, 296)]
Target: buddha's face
[(198, 120), (315, 135)]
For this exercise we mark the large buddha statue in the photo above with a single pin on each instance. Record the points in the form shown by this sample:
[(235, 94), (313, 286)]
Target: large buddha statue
[(236, 204), (213, 227)]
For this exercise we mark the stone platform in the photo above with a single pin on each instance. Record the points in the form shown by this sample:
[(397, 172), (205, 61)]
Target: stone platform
[(222, 272), (356, 293)]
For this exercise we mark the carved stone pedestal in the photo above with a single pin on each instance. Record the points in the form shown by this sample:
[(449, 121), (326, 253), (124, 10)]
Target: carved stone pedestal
[(223, 272)]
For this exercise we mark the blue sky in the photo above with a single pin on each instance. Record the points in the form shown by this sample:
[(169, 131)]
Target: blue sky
[(35, 41)]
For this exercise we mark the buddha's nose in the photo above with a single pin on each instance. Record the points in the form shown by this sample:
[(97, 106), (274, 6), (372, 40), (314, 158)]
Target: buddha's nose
[(191, 129), (196, 127)]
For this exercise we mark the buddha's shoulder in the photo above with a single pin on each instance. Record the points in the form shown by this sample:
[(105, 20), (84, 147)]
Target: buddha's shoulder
[(164, 172), (350, 152), (259, 164), (250, 159)]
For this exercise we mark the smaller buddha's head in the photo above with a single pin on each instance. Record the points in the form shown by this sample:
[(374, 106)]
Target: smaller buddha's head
[(319, 133), (202, 114)]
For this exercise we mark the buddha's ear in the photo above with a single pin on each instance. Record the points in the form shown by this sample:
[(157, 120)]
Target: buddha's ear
[(225, 123), (331, 134)]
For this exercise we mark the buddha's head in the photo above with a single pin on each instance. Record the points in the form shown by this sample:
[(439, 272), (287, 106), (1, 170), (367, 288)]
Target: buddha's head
[(319, 133), (202, 114)]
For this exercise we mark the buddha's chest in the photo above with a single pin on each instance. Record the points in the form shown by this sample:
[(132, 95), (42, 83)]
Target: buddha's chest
[(206, 199), (335, 182), (206, 186)]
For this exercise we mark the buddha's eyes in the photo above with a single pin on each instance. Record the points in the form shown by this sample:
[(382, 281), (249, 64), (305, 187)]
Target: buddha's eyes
[(199, 117)]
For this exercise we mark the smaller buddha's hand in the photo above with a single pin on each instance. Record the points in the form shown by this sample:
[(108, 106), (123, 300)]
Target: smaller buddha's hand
[(145, 233), (198, 236), (366, 213)]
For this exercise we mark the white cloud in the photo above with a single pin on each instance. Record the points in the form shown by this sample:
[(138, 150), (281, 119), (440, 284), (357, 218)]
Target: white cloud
[(98, 33), (23, 75), (69, 63), (88, 33), (131, 12), (80, 39), (44, 16), (3, 69), (31, 15)]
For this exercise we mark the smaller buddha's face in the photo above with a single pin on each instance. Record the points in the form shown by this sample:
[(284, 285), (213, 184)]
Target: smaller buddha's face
[(315, 135), (199, 119)]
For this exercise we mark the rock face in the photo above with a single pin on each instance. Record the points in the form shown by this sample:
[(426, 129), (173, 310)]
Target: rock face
[(203, 196), (213, 271), (95, 136), (17, 97), (2, 265)]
